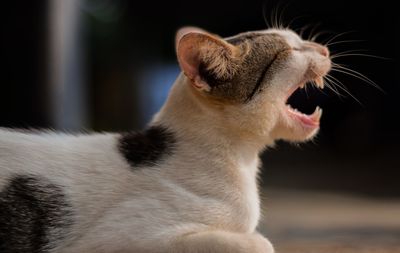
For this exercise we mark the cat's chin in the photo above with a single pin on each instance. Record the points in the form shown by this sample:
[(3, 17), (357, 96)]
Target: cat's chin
[(296, 128), (307, 121)]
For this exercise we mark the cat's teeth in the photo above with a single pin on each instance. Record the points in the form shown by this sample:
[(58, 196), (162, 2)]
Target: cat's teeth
[(302, 85), (320, 82), (316, 115)]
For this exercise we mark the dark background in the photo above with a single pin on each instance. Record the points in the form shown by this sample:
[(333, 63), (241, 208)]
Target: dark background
[(122, 46)]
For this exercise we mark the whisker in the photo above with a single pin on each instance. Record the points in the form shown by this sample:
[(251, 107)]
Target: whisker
[(278, 17), (275, 17), (332, 87), (315, 86), (269, 14), (271, 17), (334, 78), (305, 90), (264, 12), (347, 92), (293, 20), (358, 77), (329, 86), (313, 30), (337, 36), (334, 90), (314, 38), (282, 15), (349, 51), (363, 55), (320, 90), (356, 74), (337, 64), (303, 29), (342, 42), (338, 82)]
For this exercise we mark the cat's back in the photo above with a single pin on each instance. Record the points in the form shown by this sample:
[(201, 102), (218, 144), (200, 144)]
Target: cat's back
[(55, 154), (34, 137), (35, 143)]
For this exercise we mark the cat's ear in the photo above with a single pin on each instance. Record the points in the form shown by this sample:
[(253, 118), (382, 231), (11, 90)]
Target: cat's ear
[(201, 52)]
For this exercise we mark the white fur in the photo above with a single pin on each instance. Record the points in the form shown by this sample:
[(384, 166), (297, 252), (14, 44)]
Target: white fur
[(121, 210)]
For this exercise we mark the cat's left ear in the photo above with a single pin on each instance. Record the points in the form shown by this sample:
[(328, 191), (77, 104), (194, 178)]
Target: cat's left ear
[(199, 51)]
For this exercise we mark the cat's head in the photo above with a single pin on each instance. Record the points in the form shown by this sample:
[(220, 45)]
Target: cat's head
[(248, 78)]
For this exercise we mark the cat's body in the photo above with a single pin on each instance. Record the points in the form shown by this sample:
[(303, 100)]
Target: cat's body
[(143, 204), (188, 183)]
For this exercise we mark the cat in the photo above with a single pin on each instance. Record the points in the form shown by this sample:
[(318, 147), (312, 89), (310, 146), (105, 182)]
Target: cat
[(188, 182)]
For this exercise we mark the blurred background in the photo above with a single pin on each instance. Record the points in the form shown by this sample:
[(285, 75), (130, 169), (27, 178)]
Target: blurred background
[(107, 65)]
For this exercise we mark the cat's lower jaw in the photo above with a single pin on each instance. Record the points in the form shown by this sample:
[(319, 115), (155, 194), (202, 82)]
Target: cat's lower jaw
[(293, 131), (222, 242)]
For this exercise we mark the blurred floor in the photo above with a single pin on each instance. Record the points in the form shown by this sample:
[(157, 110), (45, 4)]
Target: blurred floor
[(300, 222)]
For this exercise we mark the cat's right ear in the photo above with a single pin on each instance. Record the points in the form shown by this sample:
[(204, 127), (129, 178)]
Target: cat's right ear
[(199, 51)]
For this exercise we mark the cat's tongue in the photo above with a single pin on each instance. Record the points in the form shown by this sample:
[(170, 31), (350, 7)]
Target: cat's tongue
[(307, 120)]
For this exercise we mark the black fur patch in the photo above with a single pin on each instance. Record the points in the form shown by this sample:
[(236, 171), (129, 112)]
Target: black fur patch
[(33, 212), (147, 147)]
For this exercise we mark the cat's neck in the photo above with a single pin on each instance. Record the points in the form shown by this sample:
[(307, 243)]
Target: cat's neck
[(195, 123), (207, 150)]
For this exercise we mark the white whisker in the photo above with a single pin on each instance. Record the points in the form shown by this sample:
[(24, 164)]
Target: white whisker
[(337, 36), (348, 71), (303, 29), (314, 38), (275, 17), (346, 91), (349, 51), (293, 20), (282, 15), (342, 42), (337, 82), (313, 30), (364, 55), (330, 85), (264, 12)]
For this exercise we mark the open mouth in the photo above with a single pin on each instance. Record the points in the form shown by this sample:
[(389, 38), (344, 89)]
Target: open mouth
[(300, 111)]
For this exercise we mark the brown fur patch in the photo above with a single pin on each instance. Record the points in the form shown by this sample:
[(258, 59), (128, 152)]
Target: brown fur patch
[(254, 69)]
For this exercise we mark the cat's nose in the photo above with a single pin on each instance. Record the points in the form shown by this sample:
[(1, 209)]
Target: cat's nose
[(323, 50)]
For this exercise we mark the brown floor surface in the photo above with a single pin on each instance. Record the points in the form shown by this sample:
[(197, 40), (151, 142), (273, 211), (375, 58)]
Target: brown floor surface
[(309, 222)]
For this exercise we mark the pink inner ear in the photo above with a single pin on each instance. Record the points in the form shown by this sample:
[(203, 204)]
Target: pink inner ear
[(186, 30), (189, 61)]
